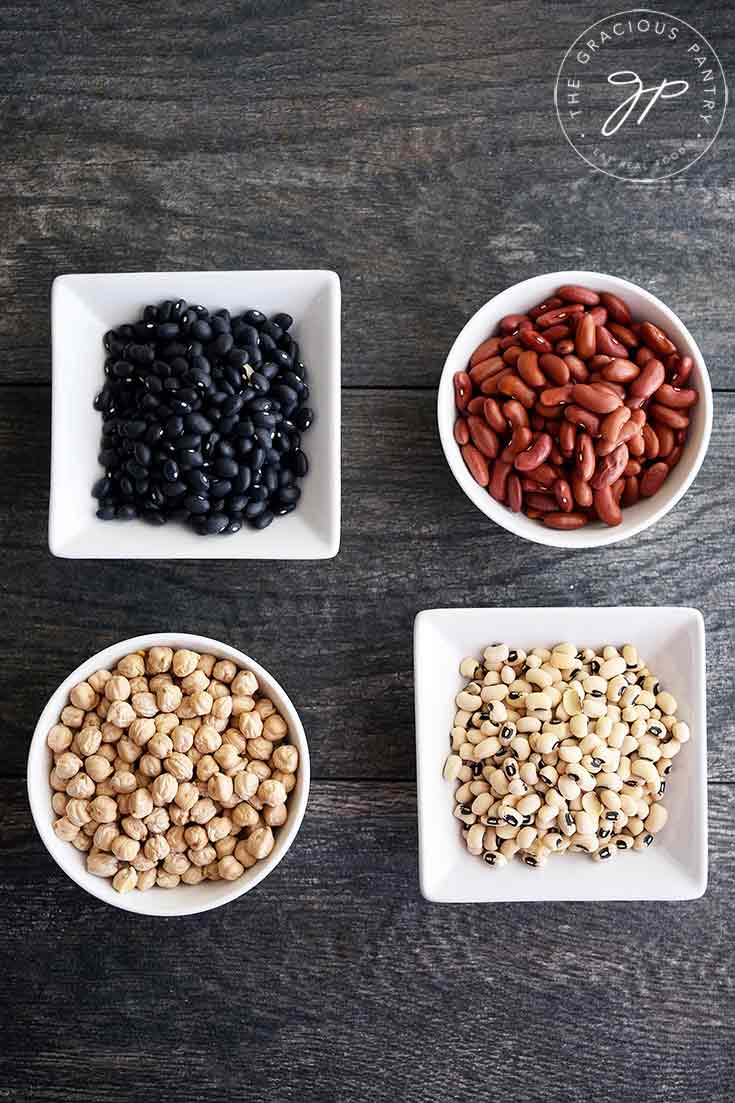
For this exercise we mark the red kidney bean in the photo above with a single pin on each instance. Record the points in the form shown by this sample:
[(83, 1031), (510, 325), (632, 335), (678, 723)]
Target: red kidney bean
[(528, 369), (674, 457), (623, 334), (514, 493), (620, 370), (656, 339), (563, 494), (491, 384), (575, 293), (462, 390), (566, 521), (461, 432), (476, 463), (528, 460), (546, 475), (558, 314), (498, 479), (515, 413), (636, 445), (485, 351), (581, 490), (476, 405), (643, 355), (614, 388), (557, 396), (556, 333), (563, 348), (585, 457), (650, 442), (555, 455), (511, 340), (617, 489), (611, 426), (493, 415), (544, 307), (483, 437), (649, 381), (595, 398), (545, 503), (537, 420), (632, 467), (486, 368), (616, 308), (606, 506), (675, 419), (599, 315), (513, 386), (522, 437), (598, 362), (678, 398), (666, 441), (510, 356), (680, 368), (530, 339), (511, 322), (567, 438), (554, 368), (610, 468), (583, 418), (584, 338), (577, 368), (631, 492), (606, 343), (652, 479)]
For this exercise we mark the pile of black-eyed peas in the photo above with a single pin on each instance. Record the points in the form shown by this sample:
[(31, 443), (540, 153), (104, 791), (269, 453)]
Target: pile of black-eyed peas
[(561, 749)]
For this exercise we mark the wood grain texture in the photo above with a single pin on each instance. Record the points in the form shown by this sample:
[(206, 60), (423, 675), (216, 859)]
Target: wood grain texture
[(413, 147), (333, 980), (338, 634)]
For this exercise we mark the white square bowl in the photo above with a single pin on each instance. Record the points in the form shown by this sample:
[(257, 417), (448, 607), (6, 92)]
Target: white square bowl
[(84, 307), (671, 641)]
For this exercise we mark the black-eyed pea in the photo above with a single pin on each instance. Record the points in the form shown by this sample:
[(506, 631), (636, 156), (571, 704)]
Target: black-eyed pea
[(481, 803), (566, 824), (666, 702), (670, 748), (635, 826), (609, 781), (628, 804), (592, 804), (452, 766), (656, 819), (585, 823), (528, 773), (475, 837), (610, 799), (570, 752), (520, 748), (604, 853), (646, 770), (496, 655), (469, 667), (681, 731), (468, 702), (525, 838)]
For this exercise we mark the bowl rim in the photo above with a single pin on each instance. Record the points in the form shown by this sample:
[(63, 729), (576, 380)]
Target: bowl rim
[(39, 791), (589, 536)]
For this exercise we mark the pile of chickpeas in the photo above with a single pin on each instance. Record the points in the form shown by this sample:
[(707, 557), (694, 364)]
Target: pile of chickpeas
[(562, 749), (172, 768)]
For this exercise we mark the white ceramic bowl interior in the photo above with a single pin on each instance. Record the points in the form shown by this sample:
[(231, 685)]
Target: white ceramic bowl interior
[(184, 899), (84, 307), (671, 641), (644, 306)]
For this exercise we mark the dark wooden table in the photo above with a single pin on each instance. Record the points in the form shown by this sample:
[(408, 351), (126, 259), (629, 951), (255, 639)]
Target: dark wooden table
[(413, 147)]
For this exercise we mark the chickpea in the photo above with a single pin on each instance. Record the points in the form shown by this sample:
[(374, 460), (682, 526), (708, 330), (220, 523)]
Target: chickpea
[(160, 745), (166, 723), (138, 685), (242, 704), (222, 708), (264, 708), (218, 828), (196, 837), (141, 731), (203, 811), (261, 770), (251, 725), (226, 756), (160, 681), (243, 855), (102, 708), (143, 704), (203, 856), (105, 835), (111, 733), (128, 751), (125, 880), (244, 684), (217, 690), (59, 738), (176, 864), (178, 816), (132, 666), (261, 842), (184, 662), (206, 663), (286, 758), (225, 846), (99, 680), (106, 750), (58, 784), (244, 815), (82, 842), (123, 803), (121, 713), (235, 739), (179, 765), (275, 816), (182, 738), (141, 803), (88, 741), (72, 717), (187, 795), (65, 829), (83, 697), (272, 792), (134, 828), (159, 660), (67, 765), (168, 698), (125, 848), (246, 784), (98, 767), (123, 782), (275, 728), (192, 876), (166, 880), (220, 787), (176, 840), (202, 703), (59, 802), (206, 767), (149, 766), (230, 869), (156, 848), (195, 683), (77, 812), (117, 688), (103, 809), (101, 864), (288, 780), (164, 789), (207, 739), (259, 749), (224, 670), (157, 822), (146, 879)]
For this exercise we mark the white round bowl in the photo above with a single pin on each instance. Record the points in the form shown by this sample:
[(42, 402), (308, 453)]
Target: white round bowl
[(644, 306), (184, 899)]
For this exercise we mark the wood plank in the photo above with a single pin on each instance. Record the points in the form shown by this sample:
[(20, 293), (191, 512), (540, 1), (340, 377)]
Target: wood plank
[(393, 995), (338, 633), (411, 159)]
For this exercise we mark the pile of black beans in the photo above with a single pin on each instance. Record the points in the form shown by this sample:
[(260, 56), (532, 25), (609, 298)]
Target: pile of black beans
[(202, 419)]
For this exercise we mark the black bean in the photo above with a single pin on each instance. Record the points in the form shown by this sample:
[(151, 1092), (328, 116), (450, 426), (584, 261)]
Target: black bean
[(101, 488), (264, 420), (234, 526), (243, 479), (248, 335), (226, 467), (289, 494), (217, 522), (170, 471), (174, 427), (255, 507), (220, 488), (259, 382), (254, 318), (236, 503), (167, 331), (285, 321), (189, 440), (189, 457), (126, 513), (269, 477), (198, 480), (237, 358), (197, 504), (304, 418), (262, 520), (105, 513), (154, 516), (201, 330), (266, 344), (270, 371), (134, 429), (223, 344)]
